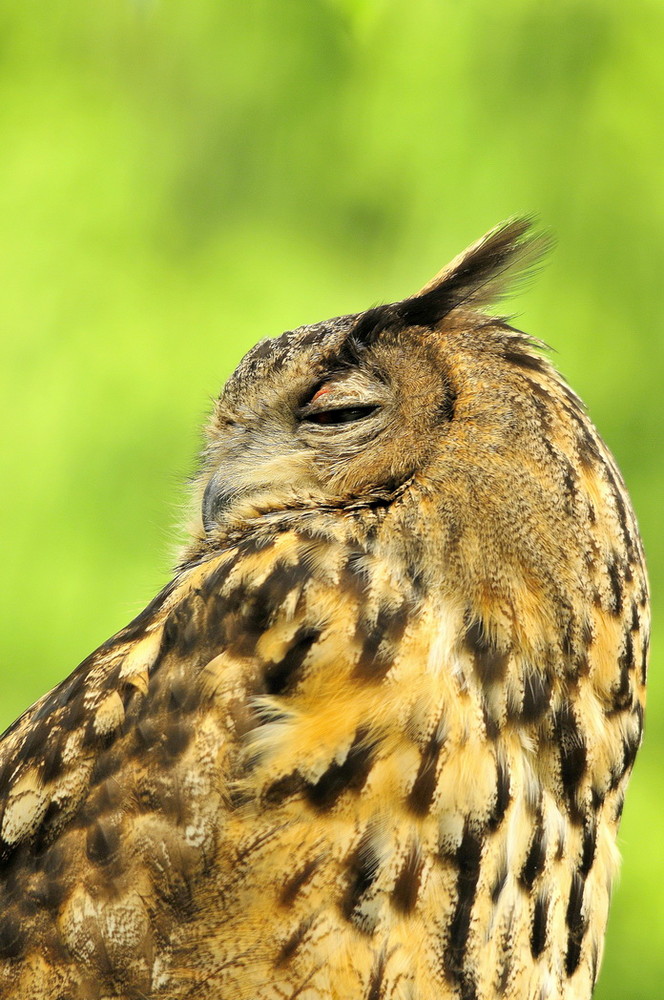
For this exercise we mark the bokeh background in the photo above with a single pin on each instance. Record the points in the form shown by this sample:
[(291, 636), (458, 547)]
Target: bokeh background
[(180, 180)]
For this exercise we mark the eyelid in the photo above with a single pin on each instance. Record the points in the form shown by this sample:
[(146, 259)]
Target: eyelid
[(329, 400), (341, 392)]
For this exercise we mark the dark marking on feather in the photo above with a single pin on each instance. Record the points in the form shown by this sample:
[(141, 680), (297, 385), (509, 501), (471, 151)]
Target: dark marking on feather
[(505, 965), (377, 977), (455, 532), (423, 789), (215, 579), (261, 606), (589, 454), (407, 884), (567, 643), (524, 359), (346, 777), (619, 806), (370, 324), (632, 740), (362, 872), (644, 659), (284, 788), (255, 542), (490, 662), (281, 677), (621, 510), (378, 641), (296, 882), (576, 925), (48, 893), (589, 845), (536, 695), (570, 485), (102, 842), (48, 829), (218, 615), (181, 634), (499, 883), (534, 863), (446, 407), (105, 766), (623, 691), (468, 859), (52, 762), (543, 402), (91, 738), (597, 797), (491, 723), (615, 582), (173, 804), (573, 755), (290, 946), (538, 928)]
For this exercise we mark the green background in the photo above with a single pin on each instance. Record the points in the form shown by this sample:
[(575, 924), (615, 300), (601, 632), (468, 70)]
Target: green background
[(178, 180)]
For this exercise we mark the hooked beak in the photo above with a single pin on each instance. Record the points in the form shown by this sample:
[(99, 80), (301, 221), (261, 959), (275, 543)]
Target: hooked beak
[(217, 497)]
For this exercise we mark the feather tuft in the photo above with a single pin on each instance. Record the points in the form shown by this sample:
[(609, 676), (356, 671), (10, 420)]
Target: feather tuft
[(493, 267)]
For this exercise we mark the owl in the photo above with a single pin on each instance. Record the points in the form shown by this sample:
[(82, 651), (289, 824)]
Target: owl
[(372, 740)]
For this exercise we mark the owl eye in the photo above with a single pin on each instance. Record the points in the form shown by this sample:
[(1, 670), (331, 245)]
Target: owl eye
[(340, 414)]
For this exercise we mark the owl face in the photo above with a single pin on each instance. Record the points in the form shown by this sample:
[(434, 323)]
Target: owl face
[(321, 416)]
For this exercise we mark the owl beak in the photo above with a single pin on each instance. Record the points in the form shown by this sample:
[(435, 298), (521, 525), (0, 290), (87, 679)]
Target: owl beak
[(217, 497)]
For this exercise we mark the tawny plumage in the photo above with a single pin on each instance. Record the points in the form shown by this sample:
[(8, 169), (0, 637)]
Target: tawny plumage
[(373, 740)]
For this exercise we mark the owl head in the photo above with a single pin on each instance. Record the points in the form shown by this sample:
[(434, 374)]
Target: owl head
[(349, 411)]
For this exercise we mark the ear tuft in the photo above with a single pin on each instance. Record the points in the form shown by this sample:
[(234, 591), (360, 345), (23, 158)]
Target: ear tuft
[(483, 274)]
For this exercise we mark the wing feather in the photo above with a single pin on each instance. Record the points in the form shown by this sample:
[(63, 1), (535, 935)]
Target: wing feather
[(115, 786)]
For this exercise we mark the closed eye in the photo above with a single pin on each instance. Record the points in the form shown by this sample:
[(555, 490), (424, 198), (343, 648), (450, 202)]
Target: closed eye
[(340, 414)]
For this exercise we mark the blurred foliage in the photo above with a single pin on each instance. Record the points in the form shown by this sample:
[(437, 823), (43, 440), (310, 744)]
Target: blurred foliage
[(179, 180)]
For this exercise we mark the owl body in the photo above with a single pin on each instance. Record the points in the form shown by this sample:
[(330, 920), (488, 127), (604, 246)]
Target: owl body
[(373, 739)]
